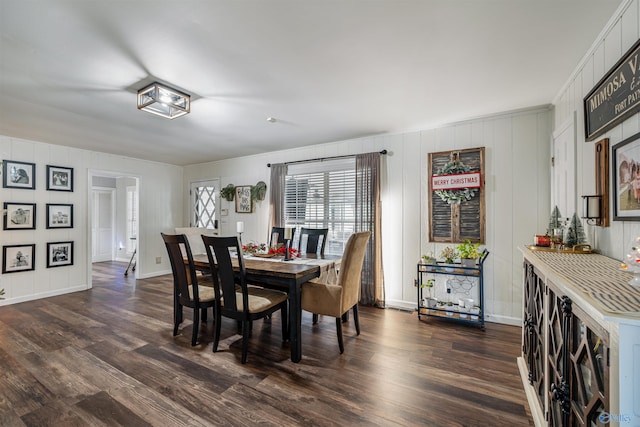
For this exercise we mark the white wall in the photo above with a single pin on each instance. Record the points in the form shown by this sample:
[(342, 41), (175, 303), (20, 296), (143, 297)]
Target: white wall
[(517, 197), (160, 197), (616, 38)]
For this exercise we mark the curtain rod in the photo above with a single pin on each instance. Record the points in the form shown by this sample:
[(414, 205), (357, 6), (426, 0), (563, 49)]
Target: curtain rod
[(320, 159)]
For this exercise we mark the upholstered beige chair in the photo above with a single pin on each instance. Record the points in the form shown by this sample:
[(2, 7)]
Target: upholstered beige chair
[(336, 299)]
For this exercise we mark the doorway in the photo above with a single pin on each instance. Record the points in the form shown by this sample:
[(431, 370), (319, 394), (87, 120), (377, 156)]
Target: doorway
[(113, 219)]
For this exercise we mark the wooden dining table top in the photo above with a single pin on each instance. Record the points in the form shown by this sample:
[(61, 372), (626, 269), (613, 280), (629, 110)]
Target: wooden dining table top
[(277, 267)]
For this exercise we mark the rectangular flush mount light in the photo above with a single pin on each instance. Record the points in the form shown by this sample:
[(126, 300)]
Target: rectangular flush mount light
[(163, 101)]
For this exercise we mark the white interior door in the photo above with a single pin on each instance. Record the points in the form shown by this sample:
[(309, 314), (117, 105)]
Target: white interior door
[(103, 225), (563, 192), (204, 207)]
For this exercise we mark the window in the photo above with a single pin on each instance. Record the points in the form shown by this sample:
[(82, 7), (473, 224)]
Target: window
[(132, 218), (203, 204), (322, 195)]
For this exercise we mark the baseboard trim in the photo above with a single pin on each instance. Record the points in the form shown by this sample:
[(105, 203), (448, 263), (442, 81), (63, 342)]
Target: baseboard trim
[(41, 295), (489, 317)]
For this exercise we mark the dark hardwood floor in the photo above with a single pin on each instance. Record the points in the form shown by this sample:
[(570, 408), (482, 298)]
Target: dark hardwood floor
[(107, 357)]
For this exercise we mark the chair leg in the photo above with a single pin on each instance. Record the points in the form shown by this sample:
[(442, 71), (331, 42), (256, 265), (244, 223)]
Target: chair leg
[(177, 317), (355, 319), (339, 331), (204, 315), (285, 322), (245, 340), (196, 322), (315, 318), (216, 334)]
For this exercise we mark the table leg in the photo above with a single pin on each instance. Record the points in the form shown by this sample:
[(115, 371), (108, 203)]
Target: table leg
[(295, 321)]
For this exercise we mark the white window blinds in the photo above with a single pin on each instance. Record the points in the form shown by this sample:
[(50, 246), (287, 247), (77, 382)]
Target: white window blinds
[(322, 195)]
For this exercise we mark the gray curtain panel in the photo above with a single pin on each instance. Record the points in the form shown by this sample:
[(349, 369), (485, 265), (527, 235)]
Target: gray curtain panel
[(276, 195), (369, 218)]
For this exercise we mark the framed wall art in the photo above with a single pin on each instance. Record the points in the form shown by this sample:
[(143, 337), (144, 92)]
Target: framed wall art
[(456, 196), (626, 179), (59, 215), (59, 178), (18, 175), (59, 254), (19, 216), (18, 258), (243, 199)]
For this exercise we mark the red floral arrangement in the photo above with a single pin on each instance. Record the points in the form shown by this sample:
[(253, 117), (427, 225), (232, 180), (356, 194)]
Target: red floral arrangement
[(281, 251)]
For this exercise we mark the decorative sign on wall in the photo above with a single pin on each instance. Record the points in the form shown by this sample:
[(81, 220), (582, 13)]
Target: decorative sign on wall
[(456, 196), (615, 97)]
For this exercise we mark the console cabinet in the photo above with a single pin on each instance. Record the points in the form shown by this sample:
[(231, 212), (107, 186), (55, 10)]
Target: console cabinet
[(578, 363)]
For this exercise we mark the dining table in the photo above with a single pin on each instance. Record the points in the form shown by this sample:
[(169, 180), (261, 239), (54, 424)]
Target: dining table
[(288, 276)]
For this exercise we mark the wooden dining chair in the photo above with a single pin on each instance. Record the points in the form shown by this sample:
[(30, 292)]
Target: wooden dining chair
[(336, 299), (235, 299), (312, 240), (189, 289), (277, 237)]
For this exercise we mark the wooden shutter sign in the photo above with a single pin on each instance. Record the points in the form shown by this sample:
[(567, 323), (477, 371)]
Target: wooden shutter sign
[(456, 196)]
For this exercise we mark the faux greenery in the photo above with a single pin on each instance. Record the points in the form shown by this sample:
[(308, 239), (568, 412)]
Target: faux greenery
[(449, 254), (228, 192), (455, 196), (428, 258), (468, 250), (555, 221), (259, 191), (1, 293), (575, 233)]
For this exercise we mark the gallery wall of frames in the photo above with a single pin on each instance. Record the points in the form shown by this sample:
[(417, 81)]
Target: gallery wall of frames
[(18, 216)]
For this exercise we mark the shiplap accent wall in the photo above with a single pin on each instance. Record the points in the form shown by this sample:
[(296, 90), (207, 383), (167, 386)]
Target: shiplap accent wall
[(517, 199), (616, 38), (161, 193)]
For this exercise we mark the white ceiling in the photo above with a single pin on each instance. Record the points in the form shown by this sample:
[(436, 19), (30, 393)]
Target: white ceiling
[(328, 70)]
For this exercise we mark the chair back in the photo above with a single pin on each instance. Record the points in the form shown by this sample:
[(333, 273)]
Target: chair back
[(184, 273), (219, 251), (312, 240), (277, 236), (351, 268)]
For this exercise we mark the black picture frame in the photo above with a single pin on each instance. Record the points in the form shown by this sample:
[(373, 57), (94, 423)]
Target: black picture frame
[(17, 174), (59, 178), (59, 215), (19, 216), (59, 254), (17, 258), (625, 163)]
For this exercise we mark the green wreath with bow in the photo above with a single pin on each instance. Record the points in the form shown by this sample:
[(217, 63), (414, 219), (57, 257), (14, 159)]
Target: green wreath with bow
[(455, 167)]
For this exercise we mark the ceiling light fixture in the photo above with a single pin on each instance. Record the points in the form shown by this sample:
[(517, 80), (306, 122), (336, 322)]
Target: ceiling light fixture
[(164, 101)]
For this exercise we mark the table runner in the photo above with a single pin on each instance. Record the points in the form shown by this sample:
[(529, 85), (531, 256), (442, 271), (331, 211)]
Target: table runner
[(598, 276)]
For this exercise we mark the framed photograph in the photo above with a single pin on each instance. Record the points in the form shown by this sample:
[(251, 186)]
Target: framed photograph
[(19, 216), (59, 254), (626, 179), (59, 216), (59, 178), (243, 199), (18, 258), (18, 175)]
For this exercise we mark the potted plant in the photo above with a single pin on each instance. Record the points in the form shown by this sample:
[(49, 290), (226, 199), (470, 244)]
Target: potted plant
[(259, 191), (228, 192), (429, 301), (1, 293), (428, 258), (449, 254), (468, 253)]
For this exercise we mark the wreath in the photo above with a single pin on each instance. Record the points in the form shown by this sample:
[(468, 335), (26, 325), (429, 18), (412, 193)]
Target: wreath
[(455, 196)]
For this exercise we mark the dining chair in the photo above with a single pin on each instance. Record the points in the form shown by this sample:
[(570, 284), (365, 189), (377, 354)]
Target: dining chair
[(336, 299), (277, 237), (235, 298), (310, 238), (189, 289)]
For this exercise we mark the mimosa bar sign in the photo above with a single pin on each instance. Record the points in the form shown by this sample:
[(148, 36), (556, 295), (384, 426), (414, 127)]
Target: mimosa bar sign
[(615, 97)]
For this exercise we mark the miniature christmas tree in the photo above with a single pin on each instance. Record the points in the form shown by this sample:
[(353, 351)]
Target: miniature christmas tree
[(575, 233), (555, 221)]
